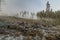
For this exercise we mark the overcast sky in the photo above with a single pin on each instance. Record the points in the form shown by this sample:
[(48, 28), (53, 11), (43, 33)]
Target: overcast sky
[(15, 6)]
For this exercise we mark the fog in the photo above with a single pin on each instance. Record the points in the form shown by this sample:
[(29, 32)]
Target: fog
[(6, 9), (10, 8)]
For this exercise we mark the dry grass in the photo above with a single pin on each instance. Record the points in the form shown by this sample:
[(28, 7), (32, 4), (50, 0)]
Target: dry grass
[(15, 20)]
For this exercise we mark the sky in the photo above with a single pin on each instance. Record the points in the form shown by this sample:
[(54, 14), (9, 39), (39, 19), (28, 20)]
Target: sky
[(15, 6)]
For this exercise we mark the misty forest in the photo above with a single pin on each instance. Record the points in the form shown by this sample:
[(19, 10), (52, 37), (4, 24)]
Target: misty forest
[(26, 24)]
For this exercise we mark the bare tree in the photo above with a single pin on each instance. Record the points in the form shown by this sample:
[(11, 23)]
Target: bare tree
[(32, 14)]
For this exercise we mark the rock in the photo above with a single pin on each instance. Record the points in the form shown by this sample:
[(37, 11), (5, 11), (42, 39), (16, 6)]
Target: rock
[(58, 36), (17, 33)]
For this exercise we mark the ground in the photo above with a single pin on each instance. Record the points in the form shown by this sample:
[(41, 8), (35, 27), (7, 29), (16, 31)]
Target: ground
[(29, 28)]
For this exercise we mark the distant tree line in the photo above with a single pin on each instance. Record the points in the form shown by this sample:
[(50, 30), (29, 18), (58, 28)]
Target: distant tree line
[(50, 14), (54, 15)]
